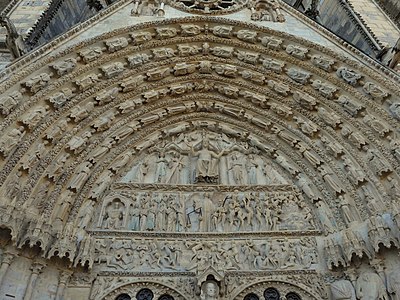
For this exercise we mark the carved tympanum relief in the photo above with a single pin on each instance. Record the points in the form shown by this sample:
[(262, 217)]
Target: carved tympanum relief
[(204, 157), (206, 211), (198, 254), (178, 152), (209, 161)]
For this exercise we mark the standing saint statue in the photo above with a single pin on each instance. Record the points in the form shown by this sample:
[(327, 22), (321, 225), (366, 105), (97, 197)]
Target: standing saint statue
[(207, 209), (237, 168)]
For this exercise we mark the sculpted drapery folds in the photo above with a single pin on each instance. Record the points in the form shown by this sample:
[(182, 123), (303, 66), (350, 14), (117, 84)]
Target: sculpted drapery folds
[(207, 163)]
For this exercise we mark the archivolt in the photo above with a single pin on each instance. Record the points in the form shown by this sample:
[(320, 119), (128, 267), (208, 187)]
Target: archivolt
[(325, 116), (302, 290), (133, 287)]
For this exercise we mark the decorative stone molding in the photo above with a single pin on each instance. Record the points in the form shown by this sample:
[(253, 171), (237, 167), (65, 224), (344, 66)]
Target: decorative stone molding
[(206, 121)]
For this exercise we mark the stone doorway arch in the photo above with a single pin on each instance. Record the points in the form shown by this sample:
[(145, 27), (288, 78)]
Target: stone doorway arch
[(79, 125), (276, 290), (137, 291)]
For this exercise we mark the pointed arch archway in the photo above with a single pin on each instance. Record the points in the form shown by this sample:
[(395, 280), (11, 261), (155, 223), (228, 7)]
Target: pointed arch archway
[(323, 127)]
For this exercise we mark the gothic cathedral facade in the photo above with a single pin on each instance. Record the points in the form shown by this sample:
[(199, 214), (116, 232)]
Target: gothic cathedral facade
[(199, 149)]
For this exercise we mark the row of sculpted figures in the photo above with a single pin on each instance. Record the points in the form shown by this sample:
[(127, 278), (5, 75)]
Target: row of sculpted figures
[(200, 157), (197, 254), (207, 212)]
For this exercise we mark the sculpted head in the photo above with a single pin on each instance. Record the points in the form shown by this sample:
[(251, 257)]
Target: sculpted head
[(210, 290), (205, 143)]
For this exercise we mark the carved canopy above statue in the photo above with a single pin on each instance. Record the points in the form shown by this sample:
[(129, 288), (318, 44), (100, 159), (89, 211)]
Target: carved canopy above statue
[(199, 128)]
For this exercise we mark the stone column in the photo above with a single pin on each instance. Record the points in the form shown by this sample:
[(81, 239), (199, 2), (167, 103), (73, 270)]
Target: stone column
[(62, 283), (36, 269), (5, 263)]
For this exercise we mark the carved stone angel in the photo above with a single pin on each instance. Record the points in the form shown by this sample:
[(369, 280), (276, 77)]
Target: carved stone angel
[(34, 116), (11, 139), (101, 185), (65, 66), (271, 42), (325, 217), (355, 173), (78, 112), (324, 88), (60, 98), (330, 179), (349, 76), (9, 102), (307, 187), (104, 121), (88, 81), (375, 91), (38, 82), (121, 161), (80, 176), (113, 70), (273, 65), (116, 44), (298, 75), (322, 62), (57, 167), (297, 51), (351, 106), (378, 164), (190, 29), (91, 54), (13, 186), (57, 130), (333, 147), (306, 126), (85, 214), (76, 143)]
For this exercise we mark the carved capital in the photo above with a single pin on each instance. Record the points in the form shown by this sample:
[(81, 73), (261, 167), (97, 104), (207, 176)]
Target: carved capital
[(8, 257), (64, 276), (37, 267), (378, 265)]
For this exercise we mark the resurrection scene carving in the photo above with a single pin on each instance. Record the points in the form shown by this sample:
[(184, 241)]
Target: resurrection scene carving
[(228, 255)]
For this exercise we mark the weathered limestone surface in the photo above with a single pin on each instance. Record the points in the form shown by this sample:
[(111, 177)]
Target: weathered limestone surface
[(199, 158)]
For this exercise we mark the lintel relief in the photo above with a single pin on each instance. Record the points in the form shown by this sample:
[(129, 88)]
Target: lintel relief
[(202, 158)]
